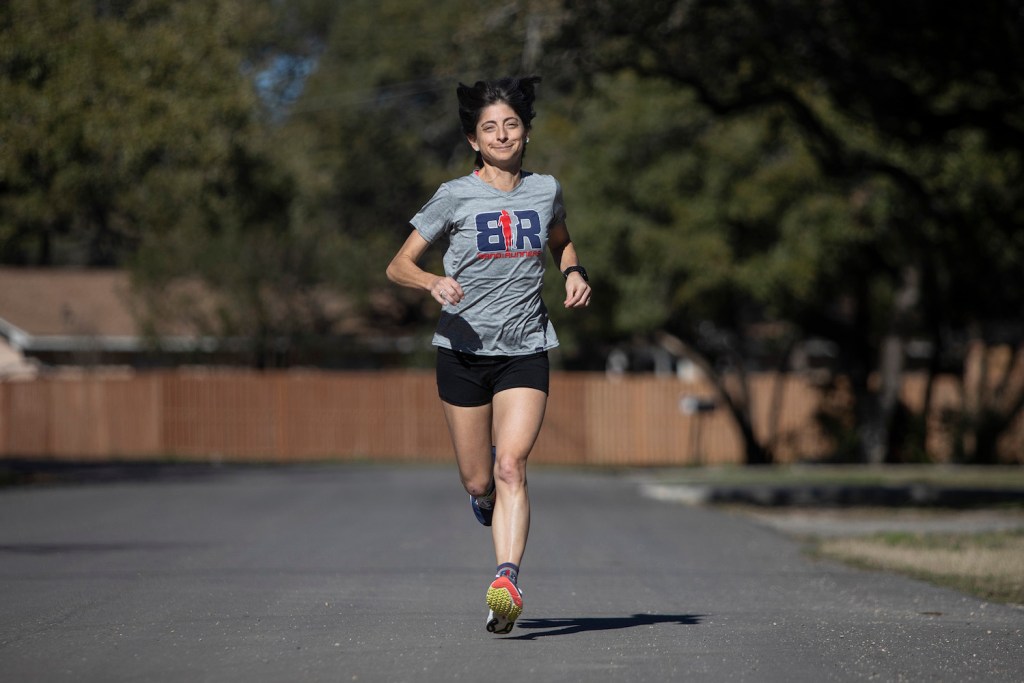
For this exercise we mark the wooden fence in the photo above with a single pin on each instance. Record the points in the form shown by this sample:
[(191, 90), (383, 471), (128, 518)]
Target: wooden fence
[(313, 415)]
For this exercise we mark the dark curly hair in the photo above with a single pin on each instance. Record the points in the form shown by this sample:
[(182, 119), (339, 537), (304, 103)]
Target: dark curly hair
[(517, 93)]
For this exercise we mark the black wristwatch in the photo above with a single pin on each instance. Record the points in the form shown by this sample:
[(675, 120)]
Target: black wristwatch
[(576, 269)]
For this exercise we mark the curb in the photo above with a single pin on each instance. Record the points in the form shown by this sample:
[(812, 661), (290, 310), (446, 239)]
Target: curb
[(837, 495)]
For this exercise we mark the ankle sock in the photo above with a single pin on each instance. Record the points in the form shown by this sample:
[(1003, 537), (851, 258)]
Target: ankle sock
[(510, 570)]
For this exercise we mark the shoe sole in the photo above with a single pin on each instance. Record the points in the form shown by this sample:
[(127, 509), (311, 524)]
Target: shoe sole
[(505, 603), (499, 625)]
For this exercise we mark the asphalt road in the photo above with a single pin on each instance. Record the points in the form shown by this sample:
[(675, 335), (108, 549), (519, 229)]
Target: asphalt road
[(372, 573)]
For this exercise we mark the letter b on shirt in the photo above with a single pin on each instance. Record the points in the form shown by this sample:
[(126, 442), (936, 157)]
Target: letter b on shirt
[(490, 236)]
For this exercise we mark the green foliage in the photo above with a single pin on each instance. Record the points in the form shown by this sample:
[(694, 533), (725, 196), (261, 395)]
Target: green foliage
[(705, 213), (115, 122), (858, 173)]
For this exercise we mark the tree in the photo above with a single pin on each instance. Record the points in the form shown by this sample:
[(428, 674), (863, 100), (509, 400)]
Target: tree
[(694, 229), (115, 118), (907, 112), (141, 134)]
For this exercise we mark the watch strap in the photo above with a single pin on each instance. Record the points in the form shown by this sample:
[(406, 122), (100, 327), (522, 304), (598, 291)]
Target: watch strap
[(576, 269)]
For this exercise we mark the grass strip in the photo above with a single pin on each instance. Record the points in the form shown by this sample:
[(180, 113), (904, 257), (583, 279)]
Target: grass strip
[(989, 565)]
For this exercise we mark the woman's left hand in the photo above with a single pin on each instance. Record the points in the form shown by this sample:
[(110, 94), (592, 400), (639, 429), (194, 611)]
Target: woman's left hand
[(577, 291)]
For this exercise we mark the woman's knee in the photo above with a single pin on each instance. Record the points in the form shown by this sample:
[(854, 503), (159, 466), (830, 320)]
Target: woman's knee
[(477, 479), (477, 485), (510, 469)]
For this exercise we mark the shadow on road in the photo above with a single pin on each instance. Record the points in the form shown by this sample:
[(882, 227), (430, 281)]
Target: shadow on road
[(571, 625)]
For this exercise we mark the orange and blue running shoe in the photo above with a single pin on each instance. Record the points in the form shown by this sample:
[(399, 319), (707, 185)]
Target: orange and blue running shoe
[(505, 604)]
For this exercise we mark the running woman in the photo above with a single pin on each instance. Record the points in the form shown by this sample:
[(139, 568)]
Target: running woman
[(493, 334)]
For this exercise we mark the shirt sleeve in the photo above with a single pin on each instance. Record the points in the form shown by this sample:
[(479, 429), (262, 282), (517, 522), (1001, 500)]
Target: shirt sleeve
[(434, 219)]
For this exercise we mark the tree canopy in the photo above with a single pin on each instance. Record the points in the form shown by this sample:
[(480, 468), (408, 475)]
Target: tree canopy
[(863, 181)]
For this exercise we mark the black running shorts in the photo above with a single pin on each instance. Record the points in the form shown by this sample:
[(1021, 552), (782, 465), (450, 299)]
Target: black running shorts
[(464, 379)]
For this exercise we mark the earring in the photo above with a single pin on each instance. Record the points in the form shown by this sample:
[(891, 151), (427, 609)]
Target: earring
[(527, 139)]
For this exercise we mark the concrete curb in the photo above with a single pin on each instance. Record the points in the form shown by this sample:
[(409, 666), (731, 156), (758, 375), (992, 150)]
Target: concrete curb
[(834, 495)]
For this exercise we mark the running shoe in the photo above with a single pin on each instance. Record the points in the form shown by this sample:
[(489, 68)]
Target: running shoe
[(505, 604), (483, 507), (498, 625)]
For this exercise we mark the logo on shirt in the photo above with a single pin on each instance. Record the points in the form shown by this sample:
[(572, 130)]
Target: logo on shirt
[(508, 234)]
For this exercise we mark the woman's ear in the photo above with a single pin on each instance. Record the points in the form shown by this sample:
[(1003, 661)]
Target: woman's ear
[(472, 142)]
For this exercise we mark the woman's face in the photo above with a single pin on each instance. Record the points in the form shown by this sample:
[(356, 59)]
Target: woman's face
[(500, 135)]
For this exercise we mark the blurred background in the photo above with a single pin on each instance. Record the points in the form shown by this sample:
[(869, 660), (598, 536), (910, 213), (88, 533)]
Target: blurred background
[(802, 221)]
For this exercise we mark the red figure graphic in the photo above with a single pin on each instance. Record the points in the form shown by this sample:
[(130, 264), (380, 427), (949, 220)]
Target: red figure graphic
[(506, 229)]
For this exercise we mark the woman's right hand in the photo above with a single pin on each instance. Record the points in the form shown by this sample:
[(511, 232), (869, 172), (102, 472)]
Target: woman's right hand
[(404, 270), (446, 291)]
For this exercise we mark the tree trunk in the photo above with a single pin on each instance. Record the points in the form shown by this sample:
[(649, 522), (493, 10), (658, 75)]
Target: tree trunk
[(754, 452), (875, 430)]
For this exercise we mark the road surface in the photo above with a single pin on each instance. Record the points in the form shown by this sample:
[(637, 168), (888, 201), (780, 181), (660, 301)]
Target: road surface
[(378, 573)]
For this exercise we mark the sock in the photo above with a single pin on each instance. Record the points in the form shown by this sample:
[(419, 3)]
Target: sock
[(510, 570)]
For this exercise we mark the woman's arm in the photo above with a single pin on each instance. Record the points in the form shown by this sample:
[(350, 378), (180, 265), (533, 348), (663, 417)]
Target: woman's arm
[(404, 270), (577, 290)]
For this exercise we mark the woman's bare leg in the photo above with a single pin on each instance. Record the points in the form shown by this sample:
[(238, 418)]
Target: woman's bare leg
[(470, 430), (518, 415)]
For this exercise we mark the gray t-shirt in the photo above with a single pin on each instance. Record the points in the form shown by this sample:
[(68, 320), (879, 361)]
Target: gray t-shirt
[(496, 252)]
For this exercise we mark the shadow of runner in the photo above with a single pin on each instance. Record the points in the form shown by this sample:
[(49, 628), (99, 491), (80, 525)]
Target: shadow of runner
[(571, 625)]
